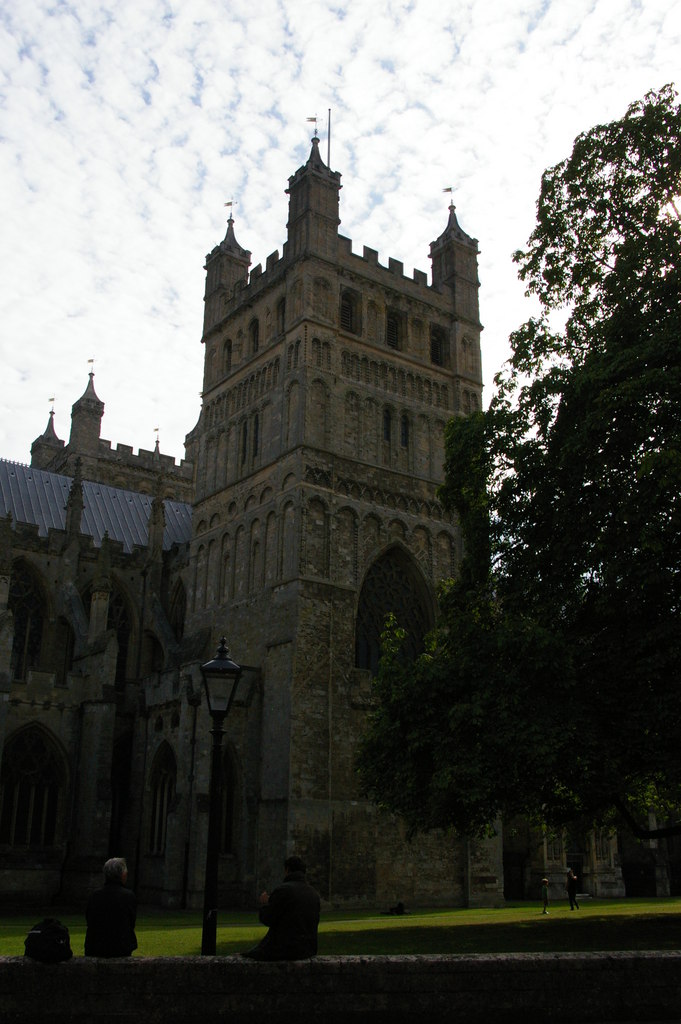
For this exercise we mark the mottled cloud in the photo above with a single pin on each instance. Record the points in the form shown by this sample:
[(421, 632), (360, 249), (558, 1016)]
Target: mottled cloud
[(124, 129)]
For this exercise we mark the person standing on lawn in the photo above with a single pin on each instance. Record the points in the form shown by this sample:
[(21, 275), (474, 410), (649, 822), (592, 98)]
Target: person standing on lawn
[(545, 895), (571, 889)]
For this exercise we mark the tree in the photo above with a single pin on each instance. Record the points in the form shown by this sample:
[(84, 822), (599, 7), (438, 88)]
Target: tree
[(551, 686)]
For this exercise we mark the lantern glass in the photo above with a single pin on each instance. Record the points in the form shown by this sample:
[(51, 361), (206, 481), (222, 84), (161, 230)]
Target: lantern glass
[(220, 679)]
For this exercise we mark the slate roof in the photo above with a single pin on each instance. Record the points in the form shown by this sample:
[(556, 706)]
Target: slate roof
[(34, 496)]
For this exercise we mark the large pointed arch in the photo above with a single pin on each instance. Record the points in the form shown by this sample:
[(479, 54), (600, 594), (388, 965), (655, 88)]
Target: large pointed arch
[(393, 584)]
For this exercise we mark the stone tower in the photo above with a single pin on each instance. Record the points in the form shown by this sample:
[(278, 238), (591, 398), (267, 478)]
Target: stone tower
[(328, 382)]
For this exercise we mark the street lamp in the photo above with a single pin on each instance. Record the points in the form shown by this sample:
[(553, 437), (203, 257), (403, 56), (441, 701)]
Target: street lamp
[(220, 679)]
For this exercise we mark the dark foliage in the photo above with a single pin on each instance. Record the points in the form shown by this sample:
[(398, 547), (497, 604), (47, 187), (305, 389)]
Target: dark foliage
[(551, 686)]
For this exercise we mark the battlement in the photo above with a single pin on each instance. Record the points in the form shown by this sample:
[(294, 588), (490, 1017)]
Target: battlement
[(145, 459), (393, 275), (395, 268)]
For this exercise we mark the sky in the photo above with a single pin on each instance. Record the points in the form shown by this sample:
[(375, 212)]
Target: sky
[(125, 127)]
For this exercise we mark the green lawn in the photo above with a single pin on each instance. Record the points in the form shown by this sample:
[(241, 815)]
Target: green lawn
[(599, 925)]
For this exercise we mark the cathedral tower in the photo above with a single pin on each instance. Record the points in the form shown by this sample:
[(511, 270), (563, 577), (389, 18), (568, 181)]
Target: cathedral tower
[(328, 381)]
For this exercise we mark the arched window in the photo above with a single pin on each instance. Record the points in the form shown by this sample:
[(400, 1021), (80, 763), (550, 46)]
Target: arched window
[(254, 335), (346, 312), (392, 330), (31, 789), (437, 346), (350, 319), (27, 605), (163, 779), (392, 584)]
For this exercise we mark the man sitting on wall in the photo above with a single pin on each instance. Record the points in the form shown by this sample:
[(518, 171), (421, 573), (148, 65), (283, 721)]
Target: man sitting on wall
[(111, 914), (291, 912)]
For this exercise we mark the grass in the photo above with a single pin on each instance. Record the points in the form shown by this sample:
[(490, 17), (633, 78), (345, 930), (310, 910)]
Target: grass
[(632, 924)]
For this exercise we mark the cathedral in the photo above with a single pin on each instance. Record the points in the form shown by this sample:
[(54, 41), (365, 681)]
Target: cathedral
[(306, 510)]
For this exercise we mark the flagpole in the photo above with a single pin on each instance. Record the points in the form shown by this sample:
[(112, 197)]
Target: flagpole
[(328, 142)]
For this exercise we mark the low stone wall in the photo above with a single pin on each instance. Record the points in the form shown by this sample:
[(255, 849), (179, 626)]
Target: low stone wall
[(561, 987)]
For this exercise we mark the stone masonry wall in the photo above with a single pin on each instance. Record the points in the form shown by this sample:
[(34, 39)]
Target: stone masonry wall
[(560, 988)]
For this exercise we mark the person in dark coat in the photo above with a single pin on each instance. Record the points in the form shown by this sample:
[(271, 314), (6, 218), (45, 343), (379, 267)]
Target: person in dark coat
[(571, 889), (291, 912), (111, 914)]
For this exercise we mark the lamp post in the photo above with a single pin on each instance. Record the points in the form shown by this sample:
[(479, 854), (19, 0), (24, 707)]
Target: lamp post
[(220, 679)]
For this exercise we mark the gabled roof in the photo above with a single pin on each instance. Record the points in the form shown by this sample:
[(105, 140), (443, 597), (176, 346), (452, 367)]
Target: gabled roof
[(37, 497)]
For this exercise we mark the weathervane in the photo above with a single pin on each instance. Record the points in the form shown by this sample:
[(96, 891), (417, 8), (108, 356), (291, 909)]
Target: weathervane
[(313, 120), (450, 190), (230, 204)]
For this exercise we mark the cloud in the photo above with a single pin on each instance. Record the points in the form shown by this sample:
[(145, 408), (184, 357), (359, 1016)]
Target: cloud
[(123, 131)]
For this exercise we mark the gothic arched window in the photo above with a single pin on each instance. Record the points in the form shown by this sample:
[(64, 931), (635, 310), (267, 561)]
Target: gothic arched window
[(27, 605), (392, 585), (163, 779), (350, 312), (437, 346), (404, 430), (392, 330), (31, 786)]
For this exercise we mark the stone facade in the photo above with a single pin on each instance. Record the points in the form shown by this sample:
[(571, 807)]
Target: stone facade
[(305, 511)]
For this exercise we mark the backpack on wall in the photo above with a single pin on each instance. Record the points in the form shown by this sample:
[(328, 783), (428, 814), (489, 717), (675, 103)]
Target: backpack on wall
[(48, 941)]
